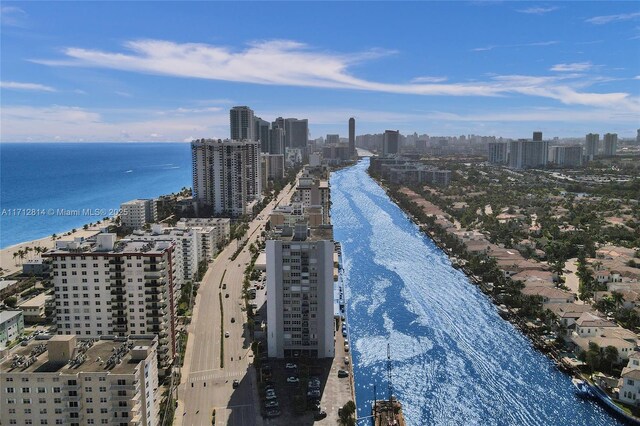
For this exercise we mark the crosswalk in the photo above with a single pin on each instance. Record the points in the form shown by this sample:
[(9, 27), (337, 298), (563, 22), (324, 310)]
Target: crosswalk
[(213, 376)]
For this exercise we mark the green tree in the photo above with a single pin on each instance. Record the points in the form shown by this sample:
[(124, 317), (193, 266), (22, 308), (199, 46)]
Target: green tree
[(611, 356), (11, 301)]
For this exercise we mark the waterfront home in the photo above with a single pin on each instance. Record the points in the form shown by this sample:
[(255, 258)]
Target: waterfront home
[(629, 383), (568, 313), (589, 325), (630, 297), (549, 295)]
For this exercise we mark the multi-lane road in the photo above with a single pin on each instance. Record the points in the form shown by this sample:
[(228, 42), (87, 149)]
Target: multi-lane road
[(206, 384)]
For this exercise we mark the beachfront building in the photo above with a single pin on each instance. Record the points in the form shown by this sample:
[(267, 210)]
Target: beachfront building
[(103, 287), (64, 381), (11, 326), (629, 384), (226, 175), (135, 214), (300, 291), (313, 190)]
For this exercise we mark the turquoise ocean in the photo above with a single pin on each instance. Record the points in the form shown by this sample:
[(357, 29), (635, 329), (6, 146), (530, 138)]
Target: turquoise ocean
[(44, 185)]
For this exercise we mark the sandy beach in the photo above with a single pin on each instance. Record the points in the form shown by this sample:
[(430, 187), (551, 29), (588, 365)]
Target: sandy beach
[(11, 265)]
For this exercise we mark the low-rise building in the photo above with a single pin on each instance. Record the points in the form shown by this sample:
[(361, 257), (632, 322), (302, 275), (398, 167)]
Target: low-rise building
[(37, 267), (72, 382), (135, 214), (629, 384), (11, 326), (549, 295), (34, 308)]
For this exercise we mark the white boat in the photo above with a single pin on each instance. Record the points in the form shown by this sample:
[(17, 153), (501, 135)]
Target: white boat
[(582, 387)]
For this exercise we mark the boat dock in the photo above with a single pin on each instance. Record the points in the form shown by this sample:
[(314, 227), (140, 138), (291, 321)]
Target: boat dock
[(387, 413)]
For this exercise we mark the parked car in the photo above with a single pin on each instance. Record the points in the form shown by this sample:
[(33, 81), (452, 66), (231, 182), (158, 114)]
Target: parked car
[(233, 320), (343, 373), (226, 296), (273, 412), (271, 396), (226, 334), (290, 365), (344, 333), (235, 383), (224, 286), (271, 404), (346, 360), (292, 379), (319, 415), (346, 348), (313, 393)]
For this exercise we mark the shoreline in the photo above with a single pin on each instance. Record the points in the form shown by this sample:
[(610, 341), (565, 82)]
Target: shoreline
[(8, 262)]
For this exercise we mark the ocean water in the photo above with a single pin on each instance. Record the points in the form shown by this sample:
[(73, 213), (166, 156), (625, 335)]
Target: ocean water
[(454, 360), (39, 180)]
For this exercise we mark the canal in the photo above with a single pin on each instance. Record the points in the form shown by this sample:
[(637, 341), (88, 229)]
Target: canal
[(455, 361)]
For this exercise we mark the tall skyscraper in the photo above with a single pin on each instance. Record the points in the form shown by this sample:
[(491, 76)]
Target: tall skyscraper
[(98, 281), (276, 141), (296, 133), (525, 153), (262, 133), (567, 156), (610, 144), (592, 145), (537, 136), (333, 139), (390, 142), (497, 152), (242, 123), (352, 137), (226, 175)]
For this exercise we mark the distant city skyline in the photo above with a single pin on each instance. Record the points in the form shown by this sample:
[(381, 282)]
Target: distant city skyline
[(171, 71)]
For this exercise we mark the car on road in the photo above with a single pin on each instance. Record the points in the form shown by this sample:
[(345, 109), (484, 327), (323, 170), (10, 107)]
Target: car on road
[(226, 334), (319, 415), (343, 373), (236, 383), (273, 413), (271, 404), (224, 286), (313, 393), (290, 365), (271, 396), (226, 296), (292, 379), (233, 320)]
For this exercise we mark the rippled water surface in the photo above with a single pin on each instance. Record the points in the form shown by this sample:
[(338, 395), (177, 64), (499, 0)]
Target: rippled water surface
[(455, 361)]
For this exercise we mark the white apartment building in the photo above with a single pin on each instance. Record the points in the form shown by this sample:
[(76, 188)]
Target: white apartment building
[(497, 152), (63, 381), (108, 288), (135, 214), (610, 144), (300, 317), (11, 326), (226, 175), (568, 156), (592, 145), (213, 232), (312, 190)]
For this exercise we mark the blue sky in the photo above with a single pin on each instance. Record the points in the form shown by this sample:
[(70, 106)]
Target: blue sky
[(165, 71)]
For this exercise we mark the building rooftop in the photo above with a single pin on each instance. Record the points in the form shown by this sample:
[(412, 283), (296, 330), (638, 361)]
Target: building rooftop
[(96, 356), (7, 315), (588, 319), (36, 301)]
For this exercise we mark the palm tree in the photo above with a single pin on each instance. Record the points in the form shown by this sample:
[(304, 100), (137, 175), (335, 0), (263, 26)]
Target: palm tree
[(21, 254), (15, 255), (618, 298)]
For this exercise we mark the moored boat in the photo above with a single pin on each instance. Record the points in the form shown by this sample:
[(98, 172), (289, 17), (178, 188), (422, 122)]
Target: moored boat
[(583, 388)]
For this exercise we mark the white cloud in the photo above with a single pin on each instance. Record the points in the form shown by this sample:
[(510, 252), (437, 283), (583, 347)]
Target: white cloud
[(289, 63), (429, 79), (500, 46), (14, 85), (574, 67), (606, 19), (123, 94), (538, 10), (12, 16)]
